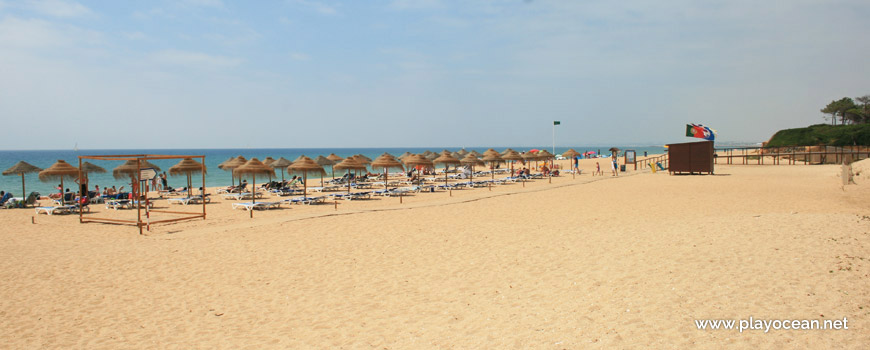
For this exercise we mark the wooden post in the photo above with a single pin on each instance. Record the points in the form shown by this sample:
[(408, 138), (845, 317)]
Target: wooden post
[(136, 195), (61, 198), (202, 159)]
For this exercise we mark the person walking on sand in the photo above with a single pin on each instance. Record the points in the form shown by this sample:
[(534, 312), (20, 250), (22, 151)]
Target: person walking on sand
[(597, 169)]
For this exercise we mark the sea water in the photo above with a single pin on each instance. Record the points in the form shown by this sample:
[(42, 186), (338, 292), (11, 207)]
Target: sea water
[(213, 157)]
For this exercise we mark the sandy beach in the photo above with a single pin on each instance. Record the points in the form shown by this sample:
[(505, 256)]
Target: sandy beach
[(592, 262)]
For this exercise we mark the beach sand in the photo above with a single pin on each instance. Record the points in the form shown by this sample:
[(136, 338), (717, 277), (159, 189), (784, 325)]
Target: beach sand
[(591, 262)]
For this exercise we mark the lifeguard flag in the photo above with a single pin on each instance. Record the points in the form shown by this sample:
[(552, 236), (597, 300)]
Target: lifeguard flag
[(700, 131), (556, 122)]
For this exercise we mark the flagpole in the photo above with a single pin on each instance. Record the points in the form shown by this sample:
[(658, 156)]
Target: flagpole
[(554, 137)]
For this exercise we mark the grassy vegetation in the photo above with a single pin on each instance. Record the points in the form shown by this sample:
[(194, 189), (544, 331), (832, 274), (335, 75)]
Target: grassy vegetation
[(831, 135)]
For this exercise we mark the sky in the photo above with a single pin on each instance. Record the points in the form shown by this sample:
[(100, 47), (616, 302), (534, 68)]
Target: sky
[(420, 73)]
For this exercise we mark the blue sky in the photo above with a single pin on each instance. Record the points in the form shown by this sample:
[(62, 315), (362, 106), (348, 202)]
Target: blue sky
[(310, 73)]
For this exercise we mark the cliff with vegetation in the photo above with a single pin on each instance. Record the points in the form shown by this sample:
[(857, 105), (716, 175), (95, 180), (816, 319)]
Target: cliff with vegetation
[(821, 134)]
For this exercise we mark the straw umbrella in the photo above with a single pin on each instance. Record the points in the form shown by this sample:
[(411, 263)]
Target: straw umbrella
[(493, 158), (366, 160), (349, 164), (571, 154), (188, 166), (231, 165), (475, 153), (446, 159), (282, 164), (512, 156), (462, 153), (472, 160), (131, 170), (88, 168), (416, 160), (59, 170), (387, 161), (253, 167), (22, 168), (335, 159), (547, 156), (268, 161), (305, 165), (404, 155), (323, 161)]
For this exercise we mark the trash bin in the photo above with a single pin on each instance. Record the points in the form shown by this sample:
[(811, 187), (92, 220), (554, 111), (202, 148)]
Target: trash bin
[(622, 168)]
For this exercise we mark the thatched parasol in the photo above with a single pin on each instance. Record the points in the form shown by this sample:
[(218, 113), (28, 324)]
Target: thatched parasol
[(253, 167), (416, 160), (130, 169), (88, 167), (323, 161), (188, 166), (493, 158), (268, 161), (446, 159), (475, 153), (230, 165), (282, 164), (472, 160), (387, 161), (22, 168), (512, 156), (349, 164), (506, 151), (614, 150), (59, 170), (305, 165), (571, 154), (457, 155), (462, 153), (221, 165), (362, 159), (404, 155)]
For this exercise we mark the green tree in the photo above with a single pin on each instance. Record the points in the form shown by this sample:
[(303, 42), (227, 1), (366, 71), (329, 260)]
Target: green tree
[(864, 108), (831, 109), (845, 109)]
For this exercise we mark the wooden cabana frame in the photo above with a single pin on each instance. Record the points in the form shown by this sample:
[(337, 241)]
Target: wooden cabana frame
[(141, 158)]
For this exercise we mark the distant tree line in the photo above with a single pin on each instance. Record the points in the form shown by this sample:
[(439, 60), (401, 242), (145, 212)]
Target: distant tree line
[(847, 111)]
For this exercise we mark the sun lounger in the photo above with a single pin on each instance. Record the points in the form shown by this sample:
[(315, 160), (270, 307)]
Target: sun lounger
[(307, 200), (63, 209), (188, 200), (124, 204), (257, 205)]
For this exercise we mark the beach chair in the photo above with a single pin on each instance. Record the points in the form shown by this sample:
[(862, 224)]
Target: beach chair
[(119, 204), (257, 205), (53, 210)]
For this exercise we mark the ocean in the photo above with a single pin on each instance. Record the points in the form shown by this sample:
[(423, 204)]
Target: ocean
[(213, 157)]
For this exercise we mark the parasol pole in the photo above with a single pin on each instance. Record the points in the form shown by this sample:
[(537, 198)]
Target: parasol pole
[(253, 193)]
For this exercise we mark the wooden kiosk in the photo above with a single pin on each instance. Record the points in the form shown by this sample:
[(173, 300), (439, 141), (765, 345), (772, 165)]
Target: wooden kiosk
[(691, 157), (141, 159)]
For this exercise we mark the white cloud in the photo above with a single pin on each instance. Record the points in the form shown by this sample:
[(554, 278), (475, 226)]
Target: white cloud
[(194, 59), (298, 56), (318, 6), (205, 3), (415, 4), (35, 33), (58, 8), (135, 36)]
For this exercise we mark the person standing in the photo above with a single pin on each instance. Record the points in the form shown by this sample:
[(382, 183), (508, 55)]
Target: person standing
[(614, 165), (164, 181), (576, 164)]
